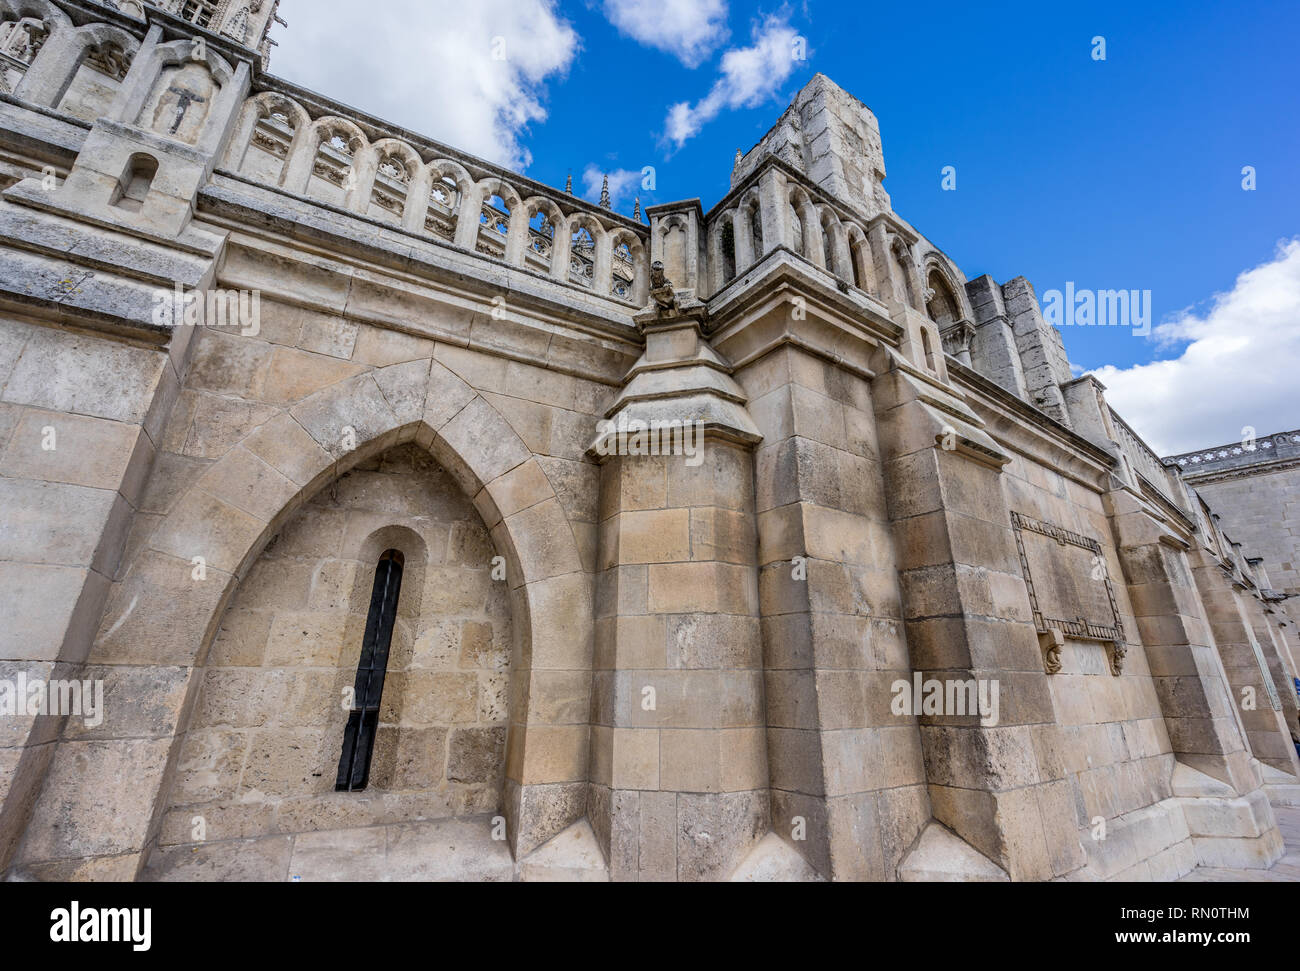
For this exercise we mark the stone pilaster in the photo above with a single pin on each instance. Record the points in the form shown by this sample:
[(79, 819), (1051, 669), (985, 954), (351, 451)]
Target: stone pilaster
[(775, 211), (1185, 668), (967, 615), (1252, 690), (679, 759), (848, 781)]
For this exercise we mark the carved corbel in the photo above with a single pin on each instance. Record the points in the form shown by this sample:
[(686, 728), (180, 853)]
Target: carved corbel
[(1051, 641)]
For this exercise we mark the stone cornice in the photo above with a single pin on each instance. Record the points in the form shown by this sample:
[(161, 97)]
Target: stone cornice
[(754, 320), (1239, 472), (972, 381), (677, 206), (49, 135), (1020, 428), (92, 275), (783, 265)]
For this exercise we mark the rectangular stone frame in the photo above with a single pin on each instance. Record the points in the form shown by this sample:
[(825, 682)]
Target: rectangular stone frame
[(1052, 631)]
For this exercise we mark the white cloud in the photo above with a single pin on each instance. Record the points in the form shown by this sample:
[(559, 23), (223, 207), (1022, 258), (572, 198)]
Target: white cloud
[(750, 76), (690, 30), (622, 184), (1240, 369), (429, 65)]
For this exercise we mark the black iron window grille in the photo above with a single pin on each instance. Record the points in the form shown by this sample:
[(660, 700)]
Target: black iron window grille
[(363, 719)]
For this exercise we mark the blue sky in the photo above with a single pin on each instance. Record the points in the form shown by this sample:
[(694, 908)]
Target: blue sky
[(1123, 173)]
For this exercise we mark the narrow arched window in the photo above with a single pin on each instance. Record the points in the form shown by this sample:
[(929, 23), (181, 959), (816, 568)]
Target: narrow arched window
[(444, 208), (363, 719), (728, 252), (582, 258)]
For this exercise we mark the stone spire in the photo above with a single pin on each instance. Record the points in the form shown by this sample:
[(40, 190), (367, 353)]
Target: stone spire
[(568, 184), (604, 193), (636, 212)]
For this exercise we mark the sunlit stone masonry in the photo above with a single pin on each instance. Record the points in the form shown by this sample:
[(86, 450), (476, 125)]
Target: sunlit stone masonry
[(418, 520)]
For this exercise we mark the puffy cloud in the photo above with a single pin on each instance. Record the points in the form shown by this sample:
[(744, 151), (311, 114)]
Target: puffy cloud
[(749, 77), (690, 30), (622, 184), (469, 74), (1238, 370)]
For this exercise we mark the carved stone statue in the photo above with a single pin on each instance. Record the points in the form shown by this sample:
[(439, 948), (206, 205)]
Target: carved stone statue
[(661, 289)]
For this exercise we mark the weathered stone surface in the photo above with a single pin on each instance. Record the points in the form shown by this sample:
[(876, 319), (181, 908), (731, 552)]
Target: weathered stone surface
[(697, 653), (941, 856)]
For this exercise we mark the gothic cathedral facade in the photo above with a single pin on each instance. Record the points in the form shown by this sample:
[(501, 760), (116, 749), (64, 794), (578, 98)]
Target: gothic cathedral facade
[(381, 494)]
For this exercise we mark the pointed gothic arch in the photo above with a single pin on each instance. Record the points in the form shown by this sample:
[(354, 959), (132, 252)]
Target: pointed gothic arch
[(542, 245), (451, 189), (270, 130), (399, 180), (945, 296), (224, 524)]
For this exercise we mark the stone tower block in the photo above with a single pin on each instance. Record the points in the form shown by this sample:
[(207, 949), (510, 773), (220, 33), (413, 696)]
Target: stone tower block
[(834, 139)]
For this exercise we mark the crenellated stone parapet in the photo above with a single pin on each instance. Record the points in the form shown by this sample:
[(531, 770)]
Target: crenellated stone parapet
[(1247, 456)]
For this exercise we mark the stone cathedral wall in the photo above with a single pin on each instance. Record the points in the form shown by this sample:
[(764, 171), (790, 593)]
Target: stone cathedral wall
[(1255, 496), (261, 752), (1113, 750), (690, 660)]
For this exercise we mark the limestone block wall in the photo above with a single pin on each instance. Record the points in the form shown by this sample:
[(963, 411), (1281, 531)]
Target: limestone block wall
[(263, 423), (1112, 746), (202, 537), (833, 641), (261, 752), (78, 427), (1262, 513), (679, 747)]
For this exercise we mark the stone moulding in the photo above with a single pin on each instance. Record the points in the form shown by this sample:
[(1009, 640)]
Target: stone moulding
[(1052, 631)]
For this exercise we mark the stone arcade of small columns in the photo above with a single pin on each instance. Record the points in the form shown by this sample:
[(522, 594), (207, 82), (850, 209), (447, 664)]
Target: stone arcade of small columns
[(449, 196), (290, 139)]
